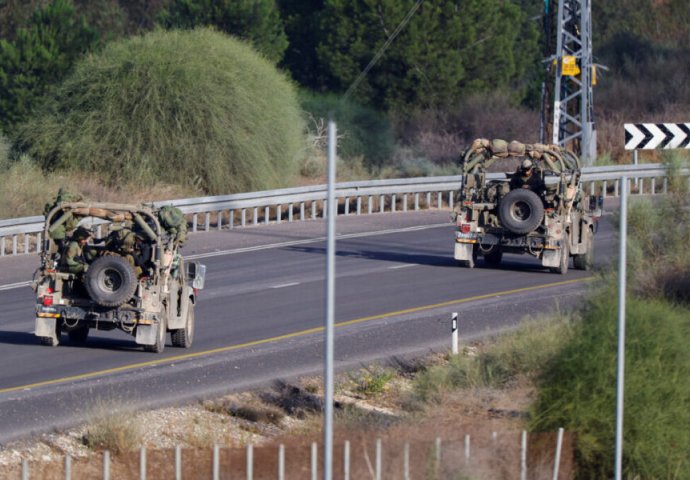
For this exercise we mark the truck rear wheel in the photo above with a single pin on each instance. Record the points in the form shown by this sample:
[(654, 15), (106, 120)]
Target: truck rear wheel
[(494, 256), (183, 337), (110, 281), (521, 211)]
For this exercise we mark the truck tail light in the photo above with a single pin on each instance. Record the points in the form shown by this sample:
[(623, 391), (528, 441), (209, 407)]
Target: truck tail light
[(47, 301), (465, 228)]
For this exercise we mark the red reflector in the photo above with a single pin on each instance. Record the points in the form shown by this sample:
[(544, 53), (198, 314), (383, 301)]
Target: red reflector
[(465, 228), (49, 290), (47, 301)]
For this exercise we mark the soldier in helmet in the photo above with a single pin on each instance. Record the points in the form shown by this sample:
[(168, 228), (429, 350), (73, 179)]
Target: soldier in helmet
[(75, 258), (133, 248), (527, 176)]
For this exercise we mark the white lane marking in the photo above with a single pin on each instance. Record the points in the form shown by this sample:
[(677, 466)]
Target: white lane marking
[(286, 285), (398, 267), (280, 245), (10, 286), (313, 240)]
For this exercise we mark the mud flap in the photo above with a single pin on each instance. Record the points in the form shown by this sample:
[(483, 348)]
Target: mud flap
[(45, 327), (147, 334), (551, 258), (175, 322), (463, 251)]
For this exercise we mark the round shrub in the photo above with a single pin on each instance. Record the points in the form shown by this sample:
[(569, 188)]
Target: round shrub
[(196, 108)]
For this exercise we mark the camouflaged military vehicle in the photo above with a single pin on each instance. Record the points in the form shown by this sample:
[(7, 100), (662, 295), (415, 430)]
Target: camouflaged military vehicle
[(132, 278), (525, 199)]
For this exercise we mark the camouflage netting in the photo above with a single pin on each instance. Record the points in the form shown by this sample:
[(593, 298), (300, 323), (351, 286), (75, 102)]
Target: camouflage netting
[(484, 152)]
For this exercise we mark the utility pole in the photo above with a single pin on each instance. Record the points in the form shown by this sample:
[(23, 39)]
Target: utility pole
[(571, 122)]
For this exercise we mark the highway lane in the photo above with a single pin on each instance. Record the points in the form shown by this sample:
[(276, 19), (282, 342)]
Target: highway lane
[(259, 295)]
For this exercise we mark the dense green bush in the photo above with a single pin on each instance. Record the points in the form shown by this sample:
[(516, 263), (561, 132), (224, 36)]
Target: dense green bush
[(195, 108), (362, 130), (578, 389)]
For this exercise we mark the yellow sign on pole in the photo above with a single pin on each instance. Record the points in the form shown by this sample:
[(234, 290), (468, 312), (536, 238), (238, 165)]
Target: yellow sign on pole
[(569, 66)]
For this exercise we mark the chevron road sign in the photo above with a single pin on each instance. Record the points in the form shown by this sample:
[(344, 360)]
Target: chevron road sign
[(650, 136)]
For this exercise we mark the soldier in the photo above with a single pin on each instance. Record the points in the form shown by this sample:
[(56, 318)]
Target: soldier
[(526, 176), (135, 250), (74, 259)]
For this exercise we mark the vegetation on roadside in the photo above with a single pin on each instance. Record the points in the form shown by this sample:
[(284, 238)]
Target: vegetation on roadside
[(194, 108)]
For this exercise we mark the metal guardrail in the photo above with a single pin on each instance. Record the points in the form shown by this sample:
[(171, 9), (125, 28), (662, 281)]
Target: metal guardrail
[(23, 235)]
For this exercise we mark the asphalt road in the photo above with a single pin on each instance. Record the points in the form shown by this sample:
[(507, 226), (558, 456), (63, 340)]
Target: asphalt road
[(259, 318)]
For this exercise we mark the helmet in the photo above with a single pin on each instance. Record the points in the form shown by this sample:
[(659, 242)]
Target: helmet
[(526, 164), (81, 233)]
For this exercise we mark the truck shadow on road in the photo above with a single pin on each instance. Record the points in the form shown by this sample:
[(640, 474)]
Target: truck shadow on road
[(392, 256), (8, 337)]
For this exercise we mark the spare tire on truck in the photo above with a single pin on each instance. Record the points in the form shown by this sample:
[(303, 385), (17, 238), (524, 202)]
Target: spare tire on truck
[(521, 211), (110, 281)]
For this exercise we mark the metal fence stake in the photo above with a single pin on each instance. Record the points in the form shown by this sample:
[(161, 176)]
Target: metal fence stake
[(142, 463), (437, 457), (68, 467), (523, 456), (406, 461), (216, 462), (178, 462), (346, 460), (314, 462), (25, 469), (467, 449), (106, 465), (378, 459), (557, 459), (281, 462), (250, 462)]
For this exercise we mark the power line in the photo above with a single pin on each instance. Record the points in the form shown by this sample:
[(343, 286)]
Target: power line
[(381, 50)]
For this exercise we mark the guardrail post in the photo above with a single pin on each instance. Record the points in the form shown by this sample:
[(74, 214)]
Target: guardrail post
[(207, 221), (219, 219), (194, 222), (231, 224), (279, 213), (290, 207), (604, 187), (2, 247), (14, 244), (404, 202), (369, 208), (267, 215), (393, 201), (313, 209), (616, 188), (428, 200), (27, 237), (416, 201), (256, 215), (653, 186), (665, 186), (439, 197), (359, 205), (382, 203), (301, 211), (347, 205), (450, 199)]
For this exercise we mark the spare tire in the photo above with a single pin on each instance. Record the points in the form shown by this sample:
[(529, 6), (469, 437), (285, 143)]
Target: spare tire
[(521, 211), (110, 281)]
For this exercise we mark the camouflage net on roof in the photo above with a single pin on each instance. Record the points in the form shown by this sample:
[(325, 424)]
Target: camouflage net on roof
[(483, 152)]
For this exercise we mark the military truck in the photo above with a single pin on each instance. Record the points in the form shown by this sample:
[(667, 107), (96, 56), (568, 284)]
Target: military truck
[(525, 199), (144, 287)]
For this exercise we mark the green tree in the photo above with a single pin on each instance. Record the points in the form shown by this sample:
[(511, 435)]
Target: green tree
[(257, 21), (448, 49), (41, 55)]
